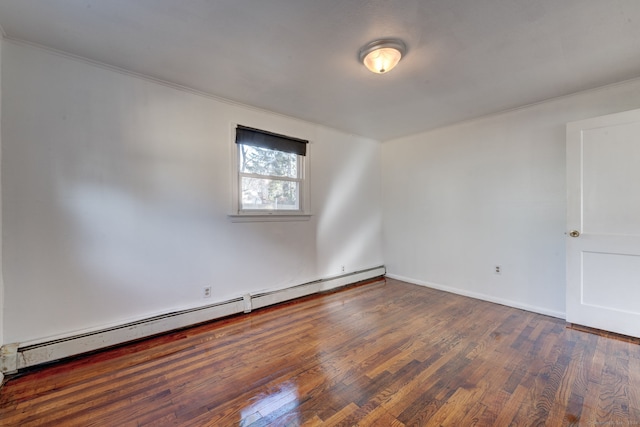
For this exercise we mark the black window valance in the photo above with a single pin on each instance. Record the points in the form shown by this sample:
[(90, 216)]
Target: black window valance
[(273, 141)]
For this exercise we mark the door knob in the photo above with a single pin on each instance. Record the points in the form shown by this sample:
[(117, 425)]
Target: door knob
[(574, 233)]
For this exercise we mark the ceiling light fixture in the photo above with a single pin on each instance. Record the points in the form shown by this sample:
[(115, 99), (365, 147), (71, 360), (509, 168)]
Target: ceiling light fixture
[(380, 56)]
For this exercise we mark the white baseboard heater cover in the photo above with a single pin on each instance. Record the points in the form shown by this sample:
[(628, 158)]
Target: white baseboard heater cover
[(14, 357)]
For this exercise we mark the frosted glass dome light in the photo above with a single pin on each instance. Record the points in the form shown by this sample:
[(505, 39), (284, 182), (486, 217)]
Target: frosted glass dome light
[(380, 56)]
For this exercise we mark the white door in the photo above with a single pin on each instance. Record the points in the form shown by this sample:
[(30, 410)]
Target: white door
[(603, 223)]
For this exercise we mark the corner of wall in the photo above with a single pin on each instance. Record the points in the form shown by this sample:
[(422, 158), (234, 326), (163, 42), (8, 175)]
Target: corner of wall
[(1, 270)]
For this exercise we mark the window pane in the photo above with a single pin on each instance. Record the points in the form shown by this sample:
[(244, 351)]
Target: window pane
[(272, 194), (263, 161)]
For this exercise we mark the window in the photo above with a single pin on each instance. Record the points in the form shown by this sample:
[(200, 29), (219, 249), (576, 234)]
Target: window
[(270, 176)]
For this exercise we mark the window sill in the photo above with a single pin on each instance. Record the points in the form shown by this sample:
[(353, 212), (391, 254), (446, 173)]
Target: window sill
[(268, 217)]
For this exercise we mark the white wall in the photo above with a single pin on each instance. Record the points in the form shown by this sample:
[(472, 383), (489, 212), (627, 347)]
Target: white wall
[(1, 280), (116, 191), (462, 199)]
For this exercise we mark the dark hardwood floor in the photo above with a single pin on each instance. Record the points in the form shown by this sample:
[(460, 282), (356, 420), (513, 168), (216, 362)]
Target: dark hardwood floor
[(381, 354)]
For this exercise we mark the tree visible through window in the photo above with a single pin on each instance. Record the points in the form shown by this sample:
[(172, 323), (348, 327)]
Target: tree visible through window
[(269, 179), (270, 176)]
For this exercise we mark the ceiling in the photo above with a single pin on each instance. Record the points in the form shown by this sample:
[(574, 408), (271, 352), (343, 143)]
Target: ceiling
[(465, 59)]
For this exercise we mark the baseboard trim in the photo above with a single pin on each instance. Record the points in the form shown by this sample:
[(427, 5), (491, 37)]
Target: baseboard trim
[(14, 357), (480, 296)]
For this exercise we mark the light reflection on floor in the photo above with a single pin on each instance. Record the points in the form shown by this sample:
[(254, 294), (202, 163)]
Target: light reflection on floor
[(280, 401)]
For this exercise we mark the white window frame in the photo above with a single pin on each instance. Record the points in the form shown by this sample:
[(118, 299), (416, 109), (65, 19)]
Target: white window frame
[(237, 214)]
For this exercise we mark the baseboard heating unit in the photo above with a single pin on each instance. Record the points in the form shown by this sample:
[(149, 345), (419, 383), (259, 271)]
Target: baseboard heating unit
[(17, 356)]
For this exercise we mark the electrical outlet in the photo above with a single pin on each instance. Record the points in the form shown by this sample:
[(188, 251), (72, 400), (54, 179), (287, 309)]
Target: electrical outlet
[(342, 268), (498, 269), (206, 292)]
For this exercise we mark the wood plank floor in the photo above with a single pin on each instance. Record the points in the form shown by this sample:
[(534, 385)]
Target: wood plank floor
[(381, 354)]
